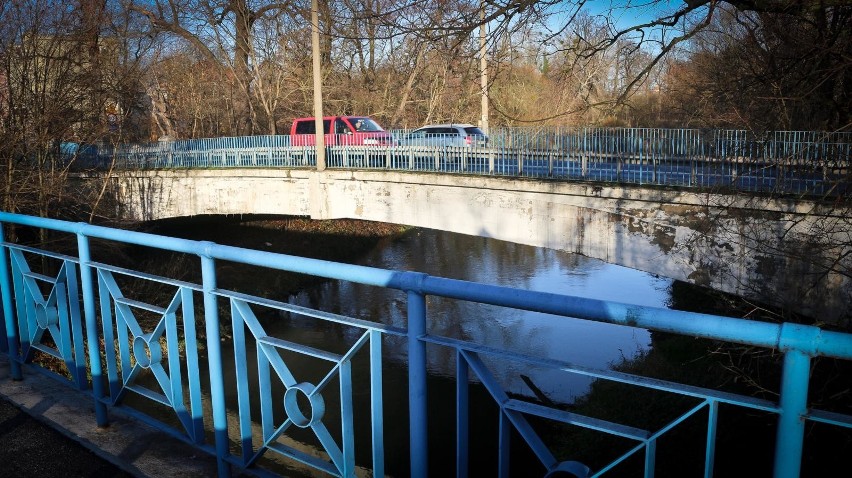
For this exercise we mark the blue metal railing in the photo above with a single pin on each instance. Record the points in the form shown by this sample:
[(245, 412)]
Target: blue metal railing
[(796, 162), (83, 316)]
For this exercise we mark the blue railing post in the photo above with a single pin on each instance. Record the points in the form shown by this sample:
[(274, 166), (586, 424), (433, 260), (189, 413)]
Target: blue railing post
[(92, 336), (462, 413), (794, 406), (214, 360), (377, 403), (417, 384), (4, 288), (10, 343), (710, 448)]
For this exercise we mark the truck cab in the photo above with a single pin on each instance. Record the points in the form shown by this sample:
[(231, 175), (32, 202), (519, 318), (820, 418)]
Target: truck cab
[(340, 130)]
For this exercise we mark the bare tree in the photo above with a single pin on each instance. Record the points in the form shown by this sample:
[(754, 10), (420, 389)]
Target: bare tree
[(65, 84), (409, 62), (223, 32), (802, 45), (770, 70)]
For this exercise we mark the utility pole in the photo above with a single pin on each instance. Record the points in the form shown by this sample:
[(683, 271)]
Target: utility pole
[(318, 123), (483, 69)]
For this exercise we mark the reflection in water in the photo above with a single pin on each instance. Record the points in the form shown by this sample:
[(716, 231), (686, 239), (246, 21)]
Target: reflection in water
[(502, 263)]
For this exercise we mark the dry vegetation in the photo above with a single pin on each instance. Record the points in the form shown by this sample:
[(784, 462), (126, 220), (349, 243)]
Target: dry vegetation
[(102, 71)]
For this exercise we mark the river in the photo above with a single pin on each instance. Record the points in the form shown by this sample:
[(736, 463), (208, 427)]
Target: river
[(502, 263)]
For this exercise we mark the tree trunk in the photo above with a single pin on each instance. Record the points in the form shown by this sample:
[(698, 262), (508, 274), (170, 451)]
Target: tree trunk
[(243, 21), (409, 85)]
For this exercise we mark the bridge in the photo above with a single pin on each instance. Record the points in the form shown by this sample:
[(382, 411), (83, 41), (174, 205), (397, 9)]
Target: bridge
[(68, 313), (761, 217)]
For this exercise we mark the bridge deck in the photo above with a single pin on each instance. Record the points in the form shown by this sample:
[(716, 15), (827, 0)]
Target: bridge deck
[(802, 163)]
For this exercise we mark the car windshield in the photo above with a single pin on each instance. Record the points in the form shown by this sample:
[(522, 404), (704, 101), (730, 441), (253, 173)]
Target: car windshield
[(365, 125), (474, 131)]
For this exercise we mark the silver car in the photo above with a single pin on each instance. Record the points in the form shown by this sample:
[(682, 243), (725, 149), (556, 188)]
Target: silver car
[(438, 135)]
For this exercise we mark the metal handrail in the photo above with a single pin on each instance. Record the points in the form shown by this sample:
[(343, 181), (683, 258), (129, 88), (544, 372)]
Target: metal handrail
[(107, 317), (796, 162)]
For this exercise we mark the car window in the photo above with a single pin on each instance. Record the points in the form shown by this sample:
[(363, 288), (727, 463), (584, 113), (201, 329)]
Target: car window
[(364, 125), (473, 130), (305, 127), (308, 126), (341, 127), (449, 131)]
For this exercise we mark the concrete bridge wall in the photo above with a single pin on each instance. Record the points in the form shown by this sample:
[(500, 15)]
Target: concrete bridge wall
[(788, 253)]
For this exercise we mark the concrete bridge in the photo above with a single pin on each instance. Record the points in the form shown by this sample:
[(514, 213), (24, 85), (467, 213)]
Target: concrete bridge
[(786, 252)]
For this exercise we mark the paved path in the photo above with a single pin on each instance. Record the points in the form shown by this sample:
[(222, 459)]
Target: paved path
[(48, 430), (29, 447)]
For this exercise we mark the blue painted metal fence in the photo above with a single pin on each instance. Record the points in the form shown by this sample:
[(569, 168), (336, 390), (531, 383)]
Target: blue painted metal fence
[(79, 312), (793, 162)]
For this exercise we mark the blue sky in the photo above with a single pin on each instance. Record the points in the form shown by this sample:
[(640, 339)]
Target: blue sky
[(622, 13)]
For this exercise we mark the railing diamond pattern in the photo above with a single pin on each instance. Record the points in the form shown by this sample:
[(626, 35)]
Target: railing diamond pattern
[(57, 315), (271, 365), (140, 352), (513, 415), (269, 360)]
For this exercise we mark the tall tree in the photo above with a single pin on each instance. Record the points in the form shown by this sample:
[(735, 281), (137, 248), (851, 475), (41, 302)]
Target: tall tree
[(64, 84), (770, 71), (224, 33)]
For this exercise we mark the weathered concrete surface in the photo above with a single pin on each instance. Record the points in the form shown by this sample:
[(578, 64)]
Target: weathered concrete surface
[(133, 447), (789, 253)]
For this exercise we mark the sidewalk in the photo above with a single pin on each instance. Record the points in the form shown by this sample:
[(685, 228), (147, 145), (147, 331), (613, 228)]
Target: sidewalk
[(28, 447), (49, 430)]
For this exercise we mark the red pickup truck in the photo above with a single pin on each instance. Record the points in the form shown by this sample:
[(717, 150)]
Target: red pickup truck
[(340, 130)]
